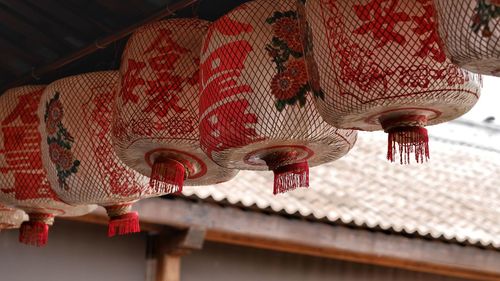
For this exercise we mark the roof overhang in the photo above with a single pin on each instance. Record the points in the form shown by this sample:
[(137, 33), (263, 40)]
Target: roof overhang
[(233, 225)]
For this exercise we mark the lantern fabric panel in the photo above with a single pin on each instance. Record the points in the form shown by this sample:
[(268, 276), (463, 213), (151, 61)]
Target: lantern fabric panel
[(155, 126), (256, 108), (79, 156), (24, 178), (383, 68), (470, 31), (11, 218)]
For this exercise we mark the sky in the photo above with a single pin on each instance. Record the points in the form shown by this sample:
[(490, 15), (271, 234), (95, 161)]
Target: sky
[(489, 102)]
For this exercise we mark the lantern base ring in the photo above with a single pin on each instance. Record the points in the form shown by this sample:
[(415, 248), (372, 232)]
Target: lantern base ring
[(35, 232), (122, 220)]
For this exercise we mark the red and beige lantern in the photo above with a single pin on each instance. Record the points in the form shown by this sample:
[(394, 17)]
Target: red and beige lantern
[(11, 218), (24, 179), (156, 122), (470, 30), (256, 109), (383, 67), (77, 150)]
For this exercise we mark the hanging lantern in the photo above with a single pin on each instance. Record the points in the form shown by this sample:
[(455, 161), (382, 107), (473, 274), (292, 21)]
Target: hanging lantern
[(382, 67), (470, 30), (11, 218), (24, 179), (256, 109), (155, 126), (81, 163)]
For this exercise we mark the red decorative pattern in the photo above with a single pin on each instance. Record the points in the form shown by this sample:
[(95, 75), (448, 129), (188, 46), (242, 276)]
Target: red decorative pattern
[(21, 150), (159, 95), (220, 130), (164, 117), (426, 26), (362, 67), (385, 55), (122, 181), (131, 80), (380, 18), (258, 74)]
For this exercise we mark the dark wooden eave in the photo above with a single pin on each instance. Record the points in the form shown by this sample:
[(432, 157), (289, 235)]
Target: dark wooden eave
[(43, 40), (254, 229)]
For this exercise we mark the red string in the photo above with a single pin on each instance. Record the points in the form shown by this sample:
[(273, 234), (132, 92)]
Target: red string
[(408, 140)]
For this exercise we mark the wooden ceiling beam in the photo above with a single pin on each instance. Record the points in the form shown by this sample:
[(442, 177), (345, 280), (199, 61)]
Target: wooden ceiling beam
[(11, 49), (16, 24), (45, 15), (87, 19), (98, 44), (55, 18)]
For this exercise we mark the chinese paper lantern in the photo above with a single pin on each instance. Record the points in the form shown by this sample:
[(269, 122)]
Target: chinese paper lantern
[(156, 122), (470, 30), (383, 67), (11, 218), (78, 153), (24, 178), (256, 106)]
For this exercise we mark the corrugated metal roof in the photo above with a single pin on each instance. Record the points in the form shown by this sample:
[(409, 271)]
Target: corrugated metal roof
[(455, 196)]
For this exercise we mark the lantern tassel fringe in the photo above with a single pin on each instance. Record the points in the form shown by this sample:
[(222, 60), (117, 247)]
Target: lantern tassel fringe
[(167, 176), (408, 140), (291, 177), (124, 224), (34, 233)]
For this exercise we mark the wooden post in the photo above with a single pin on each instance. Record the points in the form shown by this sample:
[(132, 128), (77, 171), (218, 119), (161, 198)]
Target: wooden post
[(169, 268), (171, 247)]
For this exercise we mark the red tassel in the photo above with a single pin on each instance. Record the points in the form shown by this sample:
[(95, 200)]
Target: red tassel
[(167, 176), (290, 177), (124, 224), (409, 140), (35, 233)]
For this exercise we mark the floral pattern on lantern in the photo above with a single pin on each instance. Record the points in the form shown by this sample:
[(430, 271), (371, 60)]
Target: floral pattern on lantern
[(291, 82), (59, 141), (470, 30), (383, 68), (256, 107), (81, 155)]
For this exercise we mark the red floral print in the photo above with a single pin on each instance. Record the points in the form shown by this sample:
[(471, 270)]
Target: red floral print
[(287, 30), (296, 68), (60, 142), (283, 86)]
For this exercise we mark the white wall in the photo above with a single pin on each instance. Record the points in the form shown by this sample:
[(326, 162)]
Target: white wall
[(75, 252)]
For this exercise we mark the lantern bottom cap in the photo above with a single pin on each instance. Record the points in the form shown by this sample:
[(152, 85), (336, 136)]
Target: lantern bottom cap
[(124, 224), (290, 177)]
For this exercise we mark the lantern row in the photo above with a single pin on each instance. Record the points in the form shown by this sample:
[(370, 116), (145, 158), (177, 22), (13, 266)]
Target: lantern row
[(272, 85)]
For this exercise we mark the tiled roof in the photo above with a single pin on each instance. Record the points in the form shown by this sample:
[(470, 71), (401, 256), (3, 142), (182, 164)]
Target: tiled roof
[(455, 196)]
